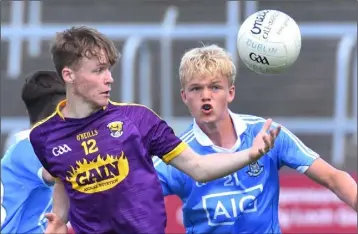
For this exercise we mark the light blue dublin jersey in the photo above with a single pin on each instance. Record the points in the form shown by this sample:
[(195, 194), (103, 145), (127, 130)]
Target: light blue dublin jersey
[(245, 201), (25, 197)]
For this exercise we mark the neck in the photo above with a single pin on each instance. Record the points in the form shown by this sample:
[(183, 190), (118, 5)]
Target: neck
[(78, 108), (222, 133)]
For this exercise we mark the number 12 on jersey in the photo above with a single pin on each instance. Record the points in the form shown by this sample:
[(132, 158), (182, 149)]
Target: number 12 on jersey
[(89, 146)]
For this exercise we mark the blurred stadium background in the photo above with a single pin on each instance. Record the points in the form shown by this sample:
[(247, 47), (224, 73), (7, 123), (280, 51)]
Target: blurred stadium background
[(316, 98)]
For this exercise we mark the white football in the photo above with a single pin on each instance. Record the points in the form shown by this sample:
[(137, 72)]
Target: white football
[(269, 42)]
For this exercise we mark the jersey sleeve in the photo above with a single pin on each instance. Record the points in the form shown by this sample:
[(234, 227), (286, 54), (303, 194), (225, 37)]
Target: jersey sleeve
[(158, 137), (39, 149), (293, 153), (170, 178), (28, 167)]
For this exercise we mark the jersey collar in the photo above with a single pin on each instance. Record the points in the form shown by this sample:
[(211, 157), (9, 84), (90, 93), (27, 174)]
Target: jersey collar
[(62, 104), (239, 125)]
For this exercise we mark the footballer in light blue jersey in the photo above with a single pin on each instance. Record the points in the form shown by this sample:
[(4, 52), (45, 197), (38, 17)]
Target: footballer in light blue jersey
[(26, 191), (249, 197), (25, 196), (246, 201)]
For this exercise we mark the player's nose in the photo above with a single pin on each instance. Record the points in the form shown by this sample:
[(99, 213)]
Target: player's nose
[(108, 78), (205, 94)]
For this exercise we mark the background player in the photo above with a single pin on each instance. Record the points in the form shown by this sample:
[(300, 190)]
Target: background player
[(249, 197), (25, 187), (105, 170)]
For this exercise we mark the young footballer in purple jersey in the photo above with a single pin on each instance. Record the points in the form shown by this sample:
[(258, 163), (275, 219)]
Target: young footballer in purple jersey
[(247, 200), (100, 152)]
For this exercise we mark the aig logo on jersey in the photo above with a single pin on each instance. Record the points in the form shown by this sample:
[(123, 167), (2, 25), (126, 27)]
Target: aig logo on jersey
[(115, 128), (230, 205), (59, 150)]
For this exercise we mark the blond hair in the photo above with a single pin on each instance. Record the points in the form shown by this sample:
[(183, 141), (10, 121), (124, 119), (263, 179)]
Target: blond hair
[(206, 61)]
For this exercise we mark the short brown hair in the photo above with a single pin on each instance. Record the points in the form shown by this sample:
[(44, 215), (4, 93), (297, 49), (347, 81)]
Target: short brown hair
[(73, 44)]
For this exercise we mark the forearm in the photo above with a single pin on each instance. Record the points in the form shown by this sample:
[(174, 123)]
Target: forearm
[(345, 187), (60, 202), (214, 166)]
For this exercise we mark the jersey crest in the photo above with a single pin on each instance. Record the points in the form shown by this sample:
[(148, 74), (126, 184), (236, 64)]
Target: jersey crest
[(255, 169), (115, 128)]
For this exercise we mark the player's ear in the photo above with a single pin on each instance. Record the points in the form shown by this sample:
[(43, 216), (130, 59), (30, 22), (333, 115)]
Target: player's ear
[(231, 95), (183, 96), (67, 75)]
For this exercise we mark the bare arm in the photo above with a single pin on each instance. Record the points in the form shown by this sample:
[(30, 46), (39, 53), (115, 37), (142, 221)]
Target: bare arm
[(213, 166), (339, 182), (47, 177), (61, 203)]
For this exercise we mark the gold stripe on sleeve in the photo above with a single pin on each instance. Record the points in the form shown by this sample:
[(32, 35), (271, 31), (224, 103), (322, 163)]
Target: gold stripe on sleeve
[(175, 152)]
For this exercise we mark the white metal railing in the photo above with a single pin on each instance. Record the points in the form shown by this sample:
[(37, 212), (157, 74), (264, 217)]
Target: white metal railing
[(355, 101), (166, 75), (128, 72), (14, 62), (137, 34), (16, 32), (345, 47), (35, 9)]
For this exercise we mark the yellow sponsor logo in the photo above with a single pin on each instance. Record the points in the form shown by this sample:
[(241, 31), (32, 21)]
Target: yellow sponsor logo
[(99, 174)]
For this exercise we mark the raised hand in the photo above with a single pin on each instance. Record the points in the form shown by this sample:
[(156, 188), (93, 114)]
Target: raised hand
[(264, 141)]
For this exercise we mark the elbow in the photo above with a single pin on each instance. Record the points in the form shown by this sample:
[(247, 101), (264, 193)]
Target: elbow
[(202, 179), (334, 179), (202, 176), (198, 176)]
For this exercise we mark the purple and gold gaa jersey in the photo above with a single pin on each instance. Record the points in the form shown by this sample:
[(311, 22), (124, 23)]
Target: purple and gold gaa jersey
[(105, 163)]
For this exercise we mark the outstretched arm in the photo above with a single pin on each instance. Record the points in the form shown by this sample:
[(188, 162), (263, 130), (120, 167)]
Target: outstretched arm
[(213, 166), (339, 182)]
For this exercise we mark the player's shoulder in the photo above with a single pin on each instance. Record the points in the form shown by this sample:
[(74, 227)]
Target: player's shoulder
[(15, 137), (23, 144), (131, 108), (19, 151), (22, 135), (137, 113), (44, 124), (188, 135), (252, 123)]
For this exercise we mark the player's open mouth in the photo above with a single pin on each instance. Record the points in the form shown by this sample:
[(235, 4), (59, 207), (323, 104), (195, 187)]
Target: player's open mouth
[(206, 108), (106, 93)]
